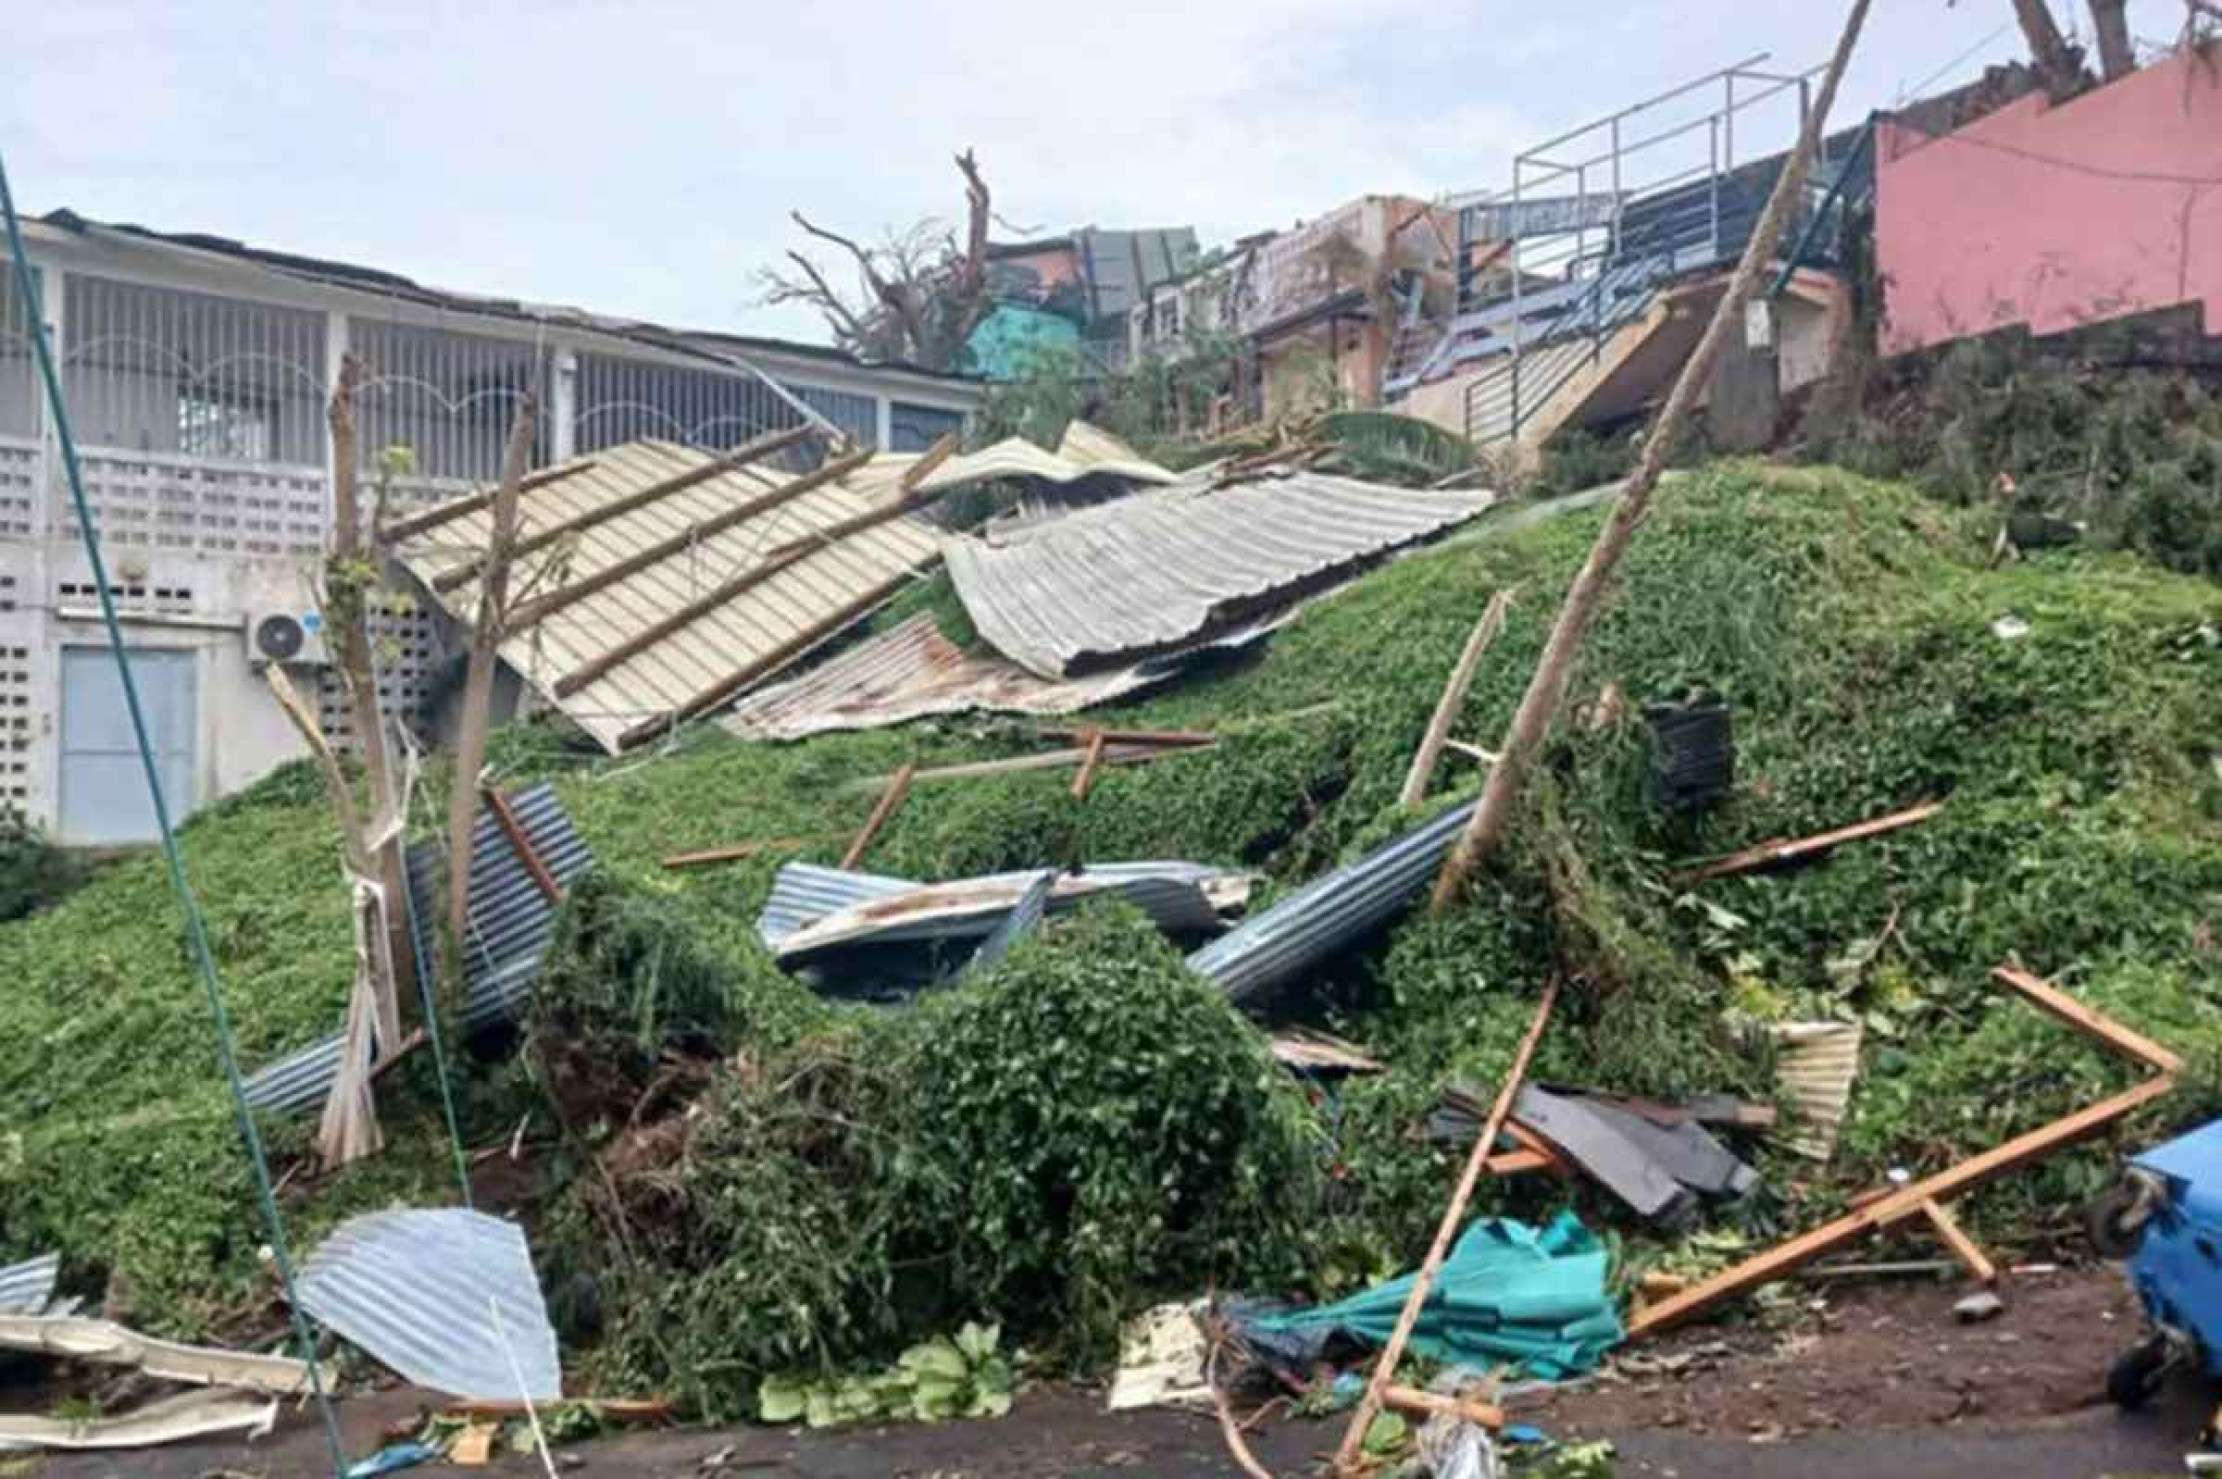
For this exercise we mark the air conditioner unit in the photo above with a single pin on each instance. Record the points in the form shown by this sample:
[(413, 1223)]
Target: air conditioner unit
[(286, 636)]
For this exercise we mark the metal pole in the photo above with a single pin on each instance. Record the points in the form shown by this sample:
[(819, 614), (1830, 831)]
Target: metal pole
[(1616, 196), (1728, 117), (1713, 173), (1512, 260)]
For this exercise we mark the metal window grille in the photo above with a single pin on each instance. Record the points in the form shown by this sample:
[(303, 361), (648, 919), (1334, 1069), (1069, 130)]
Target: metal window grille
[(915, 428), (626, 400), (858, 415), (162, 370), (449, 398), (19, 382)]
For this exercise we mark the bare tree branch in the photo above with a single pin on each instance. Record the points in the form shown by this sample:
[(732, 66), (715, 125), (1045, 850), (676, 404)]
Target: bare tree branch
[(2059, 65), (2110, 23)]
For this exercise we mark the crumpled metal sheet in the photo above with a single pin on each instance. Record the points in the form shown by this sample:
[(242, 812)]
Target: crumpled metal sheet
[(1815, 1063), (1158, 570), (27, 1288), (510, 922), (1180, 898), (413, 1288), (1025, 917), (173, 1419), (1328, 915)]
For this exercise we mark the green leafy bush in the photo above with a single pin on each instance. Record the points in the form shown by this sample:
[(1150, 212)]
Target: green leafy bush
[(34, 873)]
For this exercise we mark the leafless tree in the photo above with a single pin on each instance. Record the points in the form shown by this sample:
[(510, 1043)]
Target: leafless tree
[(2059, 61), (919, 294), (489, 626)]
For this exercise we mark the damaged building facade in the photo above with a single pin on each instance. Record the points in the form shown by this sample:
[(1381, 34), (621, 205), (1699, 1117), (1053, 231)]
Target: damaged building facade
[(197, 372)]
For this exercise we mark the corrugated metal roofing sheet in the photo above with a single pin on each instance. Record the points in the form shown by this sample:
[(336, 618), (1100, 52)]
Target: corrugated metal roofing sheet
[(913, 671), (1815, 1063), (813, 909), (510, 921), (1164, 567), (1331, 913), (763, 626), (26, 1288), (1083, 452), (413, 1287)]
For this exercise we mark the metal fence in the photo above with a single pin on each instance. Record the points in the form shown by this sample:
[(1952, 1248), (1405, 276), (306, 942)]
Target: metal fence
[(448, 397)]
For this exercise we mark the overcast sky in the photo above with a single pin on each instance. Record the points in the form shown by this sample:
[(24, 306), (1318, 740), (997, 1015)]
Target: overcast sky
[(640, 159)]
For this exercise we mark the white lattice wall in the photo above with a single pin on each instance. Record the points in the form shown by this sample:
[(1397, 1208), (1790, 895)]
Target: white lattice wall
[(192, 506)]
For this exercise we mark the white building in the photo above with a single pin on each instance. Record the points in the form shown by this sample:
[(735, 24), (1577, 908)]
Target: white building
[(196, 373)]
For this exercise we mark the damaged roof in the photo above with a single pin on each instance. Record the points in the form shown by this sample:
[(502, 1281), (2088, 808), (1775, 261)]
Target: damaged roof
[(1161, 568), (656, 581)]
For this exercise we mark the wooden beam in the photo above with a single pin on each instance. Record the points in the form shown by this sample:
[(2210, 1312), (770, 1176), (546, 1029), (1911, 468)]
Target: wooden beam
[(1173, 737), (818, 539), (737, 851), (1114, 753), (520, 842), (1784, 1258), (1454, 695), (471, 503), (1960, 1245), (542, 607), (1426, 1404), (676, 621), (2089, 1022), (740, 457), (1518, 1162), (726, 688), (1423, 1282), (1783, 850), (1089, 761), (884, 808)]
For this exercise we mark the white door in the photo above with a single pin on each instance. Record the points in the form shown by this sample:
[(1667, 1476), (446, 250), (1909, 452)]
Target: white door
[(104, 798)]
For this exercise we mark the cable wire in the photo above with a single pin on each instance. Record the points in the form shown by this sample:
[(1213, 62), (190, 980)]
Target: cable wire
[(196, 931)]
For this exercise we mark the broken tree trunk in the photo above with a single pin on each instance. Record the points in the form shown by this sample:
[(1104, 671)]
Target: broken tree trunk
[(487, 632), (1454, 694), (352, 579), (2057, 64), (1547, 688), (2110, 24), (1346, 1457)]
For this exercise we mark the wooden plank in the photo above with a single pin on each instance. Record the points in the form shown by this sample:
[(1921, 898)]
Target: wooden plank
[(640, 498), (737, 851), (540, 608), (1784, 851), (1454, 695), (1518, 1162), (1424, 1281), (1959, 1243), (520, 842), (1786, 1257), (729, 687), (1113, 754), (889, 800), (1421, 1403), (1090, 759), (2091, 1023), (471, 503), (1128, 736)]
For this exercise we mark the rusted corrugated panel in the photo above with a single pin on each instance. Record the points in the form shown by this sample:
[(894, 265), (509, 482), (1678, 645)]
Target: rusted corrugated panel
[(418, 1289), (1815, 1063), (27, 1288), (911, 672), (787, 612), (1162, 568), (510, 921)]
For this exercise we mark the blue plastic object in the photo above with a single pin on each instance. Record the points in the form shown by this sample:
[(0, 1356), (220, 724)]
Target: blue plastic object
[(2177, 1267)]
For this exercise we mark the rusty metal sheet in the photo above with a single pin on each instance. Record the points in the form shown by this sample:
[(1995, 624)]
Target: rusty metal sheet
[(1157, 571)]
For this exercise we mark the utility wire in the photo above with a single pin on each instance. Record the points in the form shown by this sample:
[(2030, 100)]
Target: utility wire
[(195, 929)]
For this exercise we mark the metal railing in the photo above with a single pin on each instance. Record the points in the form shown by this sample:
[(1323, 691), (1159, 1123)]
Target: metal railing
[(1597, 218)]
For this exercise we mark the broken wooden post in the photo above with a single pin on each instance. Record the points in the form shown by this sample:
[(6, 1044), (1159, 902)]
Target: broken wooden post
[(1547, 688), (1454, 694), (1789, 850), (897, 788), (1958, 1243), (1089, 762), (1346, 1457)]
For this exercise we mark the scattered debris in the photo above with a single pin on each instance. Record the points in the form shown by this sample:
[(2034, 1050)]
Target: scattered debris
[(1656, 1170), (1977, 1307), (1916, 1198), (1304, 1050), (1769, 854), (1161, 1360), (393, 1458), (1815, 1063), (173, 1419), (890, 801), (1694, 753), (27, 1288), (408, 1286), (511, 919), (1167, 567), (914, 672), (107, 1343), (1453, 697), (1508, 1293), (2009, 628)]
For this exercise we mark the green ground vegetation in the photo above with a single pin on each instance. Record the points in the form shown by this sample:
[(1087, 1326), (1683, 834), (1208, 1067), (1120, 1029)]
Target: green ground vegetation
[(1086, 1129)]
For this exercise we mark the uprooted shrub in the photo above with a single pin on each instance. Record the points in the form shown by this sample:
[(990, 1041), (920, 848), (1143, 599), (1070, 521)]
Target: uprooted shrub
[(628, 983), (1083, 1130)]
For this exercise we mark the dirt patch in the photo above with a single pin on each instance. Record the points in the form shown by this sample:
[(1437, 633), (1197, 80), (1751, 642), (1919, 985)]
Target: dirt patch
[(1872, 1357)]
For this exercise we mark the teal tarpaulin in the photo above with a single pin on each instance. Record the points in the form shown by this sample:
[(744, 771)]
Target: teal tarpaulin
[(1507, 1293)]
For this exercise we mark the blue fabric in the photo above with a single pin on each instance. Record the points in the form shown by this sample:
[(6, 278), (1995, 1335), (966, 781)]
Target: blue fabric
[(1508, 1293)]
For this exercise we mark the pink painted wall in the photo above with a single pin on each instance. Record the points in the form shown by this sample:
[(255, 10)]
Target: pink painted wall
[(2056, 216)]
